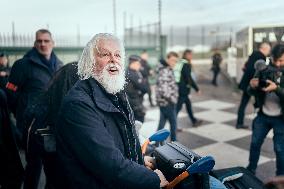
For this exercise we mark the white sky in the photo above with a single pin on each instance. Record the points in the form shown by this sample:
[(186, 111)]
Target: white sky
[(95, 16)]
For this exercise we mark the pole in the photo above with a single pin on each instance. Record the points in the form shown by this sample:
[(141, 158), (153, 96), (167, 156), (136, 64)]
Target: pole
[(78, 36), (124, 26), (172, 36), (13, 34), (217, 37), (160, 27), (202, 40), (114, 17), (187, 36)]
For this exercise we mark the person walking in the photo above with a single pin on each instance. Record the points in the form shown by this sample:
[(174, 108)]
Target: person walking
[(167, 93)]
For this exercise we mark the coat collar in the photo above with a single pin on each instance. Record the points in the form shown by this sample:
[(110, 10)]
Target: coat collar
[(33, 55), (101, 97)]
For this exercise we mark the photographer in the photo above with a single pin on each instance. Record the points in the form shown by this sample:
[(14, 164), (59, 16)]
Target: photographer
[(268, 89)]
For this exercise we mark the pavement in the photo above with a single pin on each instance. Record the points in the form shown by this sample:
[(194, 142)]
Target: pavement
[(217, 136)]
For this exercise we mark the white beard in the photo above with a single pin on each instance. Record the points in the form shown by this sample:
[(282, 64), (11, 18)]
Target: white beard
[(111, 83)]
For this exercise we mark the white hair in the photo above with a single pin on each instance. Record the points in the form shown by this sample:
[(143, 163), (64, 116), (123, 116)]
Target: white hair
[(87, 60)]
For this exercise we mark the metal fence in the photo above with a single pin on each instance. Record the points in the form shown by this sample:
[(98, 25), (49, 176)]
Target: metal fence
[(27, 40)]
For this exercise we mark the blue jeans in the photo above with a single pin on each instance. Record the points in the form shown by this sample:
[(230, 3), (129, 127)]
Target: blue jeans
[(216, 184), (261, 126), (168, 113)]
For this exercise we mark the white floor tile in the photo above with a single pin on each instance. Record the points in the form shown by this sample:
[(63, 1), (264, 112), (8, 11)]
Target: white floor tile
[(219, 132), (214, 104), (216, 116), (153, 114), (227, 155)]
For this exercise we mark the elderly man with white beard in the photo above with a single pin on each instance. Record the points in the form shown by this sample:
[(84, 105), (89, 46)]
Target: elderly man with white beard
[(97, 145)]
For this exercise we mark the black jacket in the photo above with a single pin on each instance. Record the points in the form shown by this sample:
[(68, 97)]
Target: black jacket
[(92, 142), (28, 80), (135, 89), (186, 81), (4, 79), (249, 69), (11, 169), (260, 95), (216, 61), (145, 69)]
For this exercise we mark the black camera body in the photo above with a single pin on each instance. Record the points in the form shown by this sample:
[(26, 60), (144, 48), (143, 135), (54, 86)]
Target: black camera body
[(267, 72), (270, 73)]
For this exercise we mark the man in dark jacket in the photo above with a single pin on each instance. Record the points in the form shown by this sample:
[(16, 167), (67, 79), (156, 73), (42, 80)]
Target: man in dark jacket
[(261, 54), (185, 83), (146, 72), (269, 99), (97, 145), (216, 61), (136, 87), (30, 75)]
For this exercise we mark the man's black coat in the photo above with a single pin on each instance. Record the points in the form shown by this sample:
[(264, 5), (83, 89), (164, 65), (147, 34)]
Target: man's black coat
[(92, 142)]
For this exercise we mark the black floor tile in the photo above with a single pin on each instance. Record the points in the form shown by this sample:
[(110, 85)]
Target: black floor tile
[(244, 143), (193, 141)]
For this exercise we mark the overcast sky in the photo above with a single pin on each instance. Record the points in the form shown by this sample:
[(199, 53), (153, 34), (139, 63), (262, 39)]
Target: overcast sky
[(93, 16)]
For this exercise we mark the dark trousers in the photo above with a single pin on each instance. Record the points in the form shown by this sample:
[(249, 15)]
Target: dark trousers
[(186, 100), (149, 92), (261, 126), (242, 108), (168, 113), (215, 76), (37, 158)]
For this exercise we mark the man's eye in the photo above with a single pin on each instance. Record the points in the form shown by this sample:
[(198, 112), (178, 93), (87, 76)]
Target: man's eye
[(117, 55), (105, 54)]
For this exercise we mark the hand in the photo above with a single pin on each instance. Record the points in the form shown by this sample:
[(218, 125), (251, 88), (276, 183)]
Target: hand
[(149, 162), (254, 82), (277, 182), (163, 179), (2, 74), (271, 86)]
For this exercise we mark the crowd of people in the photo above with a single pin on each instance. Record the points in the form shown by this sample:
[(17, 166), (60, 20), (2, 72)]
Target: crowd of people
[(77, 121)]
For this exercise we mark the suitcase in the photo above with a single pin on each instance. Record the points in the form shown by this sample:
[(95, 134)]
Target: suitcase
[(173, 158), (241, 178)]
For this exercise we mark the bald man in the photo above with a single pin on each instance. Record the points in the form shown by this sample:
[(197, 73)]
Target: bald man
[(260, 54)]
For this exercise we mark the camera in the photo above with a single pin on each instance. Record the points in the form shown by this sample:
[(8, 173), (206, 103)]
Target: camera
[(266, 72)]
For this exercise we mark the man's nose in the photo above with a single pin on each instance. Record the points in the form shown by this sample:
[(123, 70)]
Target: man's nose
[(42, 43), (112, 58)]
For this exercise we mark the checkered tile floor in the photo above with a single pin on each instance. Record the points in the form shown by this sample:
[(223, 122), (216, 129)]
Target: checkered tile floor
[(217, 135)]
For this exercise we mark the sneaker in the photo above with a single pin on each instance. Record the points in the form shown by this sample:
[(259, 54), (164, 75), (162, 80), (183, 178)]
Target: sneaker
[(197, 123)]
